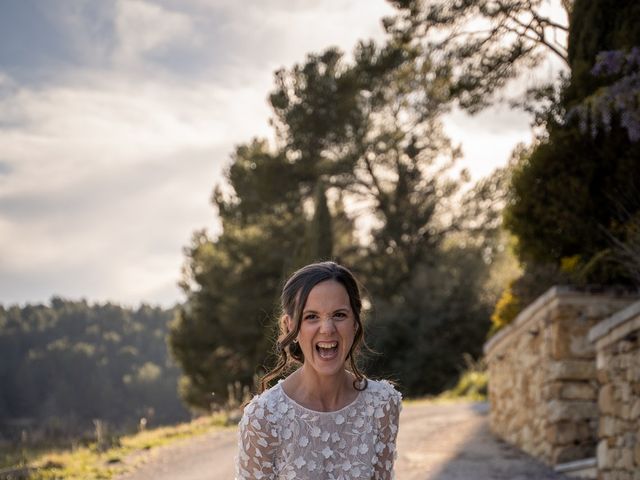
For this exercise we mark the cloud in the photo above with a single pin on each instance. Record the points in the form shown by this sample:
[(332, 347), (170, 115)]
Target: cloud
[(144, 27), (112, 175), (487, 138), (106, 121)]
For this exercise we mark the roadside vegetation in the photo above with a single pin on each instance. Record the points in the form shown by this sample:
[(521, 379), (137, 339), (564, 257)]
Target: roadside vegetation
[(109, 456)]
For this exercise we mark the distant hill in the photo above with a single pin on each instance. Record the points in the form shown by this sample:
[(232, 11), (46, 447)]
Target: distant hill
[(65, 364)]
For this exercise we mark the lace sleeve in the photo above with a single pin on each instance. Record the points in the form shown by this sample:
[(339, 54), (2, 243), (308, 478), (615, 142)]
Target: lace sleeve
[(257, 439), (386, 442)]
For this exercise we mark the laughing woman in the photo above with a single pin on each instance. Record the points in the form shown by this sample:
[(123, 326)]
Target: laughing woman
[(325, 420)]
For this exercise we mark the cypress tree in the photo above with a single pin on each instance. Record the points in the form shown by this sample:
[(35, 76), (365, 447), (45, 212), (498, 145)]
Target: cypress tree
[(577, 191)]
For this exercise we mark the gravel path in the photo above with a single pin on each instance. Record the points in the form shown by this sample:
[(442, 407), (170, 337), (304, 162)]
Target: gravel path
[(436, 442), (453, 442)]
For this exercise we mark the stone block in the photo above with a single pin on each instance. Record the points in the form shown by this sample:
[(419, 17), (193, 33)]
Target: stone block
[(630, 440), (574, 411), (570, 338), (608, 426), (635, 410), (578, 391), (625, 392), (602, 453), (572, 370), (602, 374), (606, 400), (633, 373), (570, 432), (625, 410), (626, 460)]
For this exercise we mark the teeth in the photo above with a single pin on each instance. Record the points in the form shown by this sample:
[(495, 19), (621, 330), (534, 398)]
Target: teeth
[(327, 344)]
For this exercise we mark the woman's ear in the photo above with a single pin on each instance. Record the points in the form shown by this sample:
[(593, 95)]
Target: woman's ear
[(288, 323)]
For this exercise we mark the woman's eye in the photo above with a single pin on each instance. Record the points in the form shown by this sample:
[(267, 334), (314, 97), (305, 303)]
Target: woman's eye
[(341, 315), (310, 317)]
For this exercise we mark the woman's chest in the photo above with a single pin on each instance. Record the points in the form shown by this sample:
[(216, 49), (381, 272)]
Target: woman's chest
[(337, 446)]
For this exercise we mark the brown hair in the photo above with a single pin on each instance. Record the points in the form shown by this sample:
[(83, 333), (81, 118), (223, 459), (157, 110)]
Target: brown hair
[(294, 297)]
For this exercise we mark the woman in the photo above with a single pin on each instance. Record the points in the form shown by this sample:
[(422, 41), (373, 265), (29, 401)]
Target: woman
[(325, 420)]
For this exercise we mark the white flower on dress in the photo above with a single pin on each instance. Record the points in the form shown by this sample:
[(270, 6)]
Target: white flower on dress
[(359, 422), (346, 466), (255, 424), (327, 452), (311, 465), (299, 462), (335, 437), (303, 442), (315, 432), (339, 419), (355, 472), (325, 436), (286, 433), (363, 448)]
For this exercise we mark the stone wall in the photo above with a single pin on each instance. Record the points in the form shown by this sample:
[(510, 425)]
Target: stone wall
[(542, 374), (618, 371)]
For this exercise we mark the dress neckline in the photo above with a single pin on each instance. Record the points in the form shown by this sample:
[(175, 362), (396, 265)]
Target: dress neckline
[(287, 397)]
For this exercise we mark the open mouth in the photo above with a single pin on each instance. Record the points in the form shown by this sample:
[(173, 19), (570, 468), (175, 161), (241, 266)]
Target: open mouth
[(327, 350)]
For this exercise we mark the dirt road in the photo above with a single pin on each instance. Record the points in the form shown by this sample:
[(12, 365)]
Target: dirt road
[(436, 442)]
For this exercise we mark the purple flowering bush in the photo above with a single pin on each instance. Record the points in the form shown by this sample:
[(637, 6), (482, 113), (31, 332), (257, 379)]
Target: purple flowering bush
[(620, 98)]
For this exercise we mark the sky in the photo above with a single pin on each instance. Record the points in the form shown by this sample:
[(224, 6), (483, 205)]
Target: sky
[(117, 119)]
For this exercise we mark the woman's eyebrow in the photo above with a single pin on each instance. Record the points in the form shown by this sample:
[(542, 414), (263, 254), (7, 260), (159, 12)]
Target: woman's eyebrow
[(336, 310)]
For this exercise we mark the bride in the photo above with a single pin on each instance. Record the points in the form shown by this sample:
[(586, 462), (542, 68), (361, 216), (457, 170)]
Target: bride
[(326, 419)]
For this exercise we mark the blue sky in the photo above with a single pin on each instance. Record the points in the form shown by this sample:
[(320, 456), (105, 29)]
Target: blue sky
[(118, 117)]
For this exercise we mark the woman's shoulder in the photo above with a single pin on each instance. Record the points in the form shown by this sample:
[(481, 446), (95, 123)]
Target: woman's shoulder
[(266, 406), (383, 391)]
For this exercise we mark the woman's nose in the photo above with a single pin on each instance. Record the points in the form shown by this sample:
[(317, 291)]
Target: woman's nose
[(327, 325)]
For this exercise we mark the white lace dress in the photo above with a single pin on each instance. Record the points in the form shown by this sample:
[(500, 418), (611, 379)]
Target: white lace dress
[(280, 439)]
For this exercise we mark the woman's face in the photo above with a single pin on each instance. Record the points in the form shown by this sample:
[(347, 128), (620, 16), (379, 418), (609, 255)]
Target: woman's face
[(328, 328)]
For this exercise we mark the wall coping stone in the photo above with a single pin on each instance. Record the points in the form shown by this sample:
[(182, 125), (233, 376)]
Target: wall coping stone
[(608, 325), (554, 294)]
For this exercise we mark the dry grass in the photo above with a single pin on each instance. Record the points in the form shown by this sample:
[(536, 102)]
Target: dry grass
[(89, 463)]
